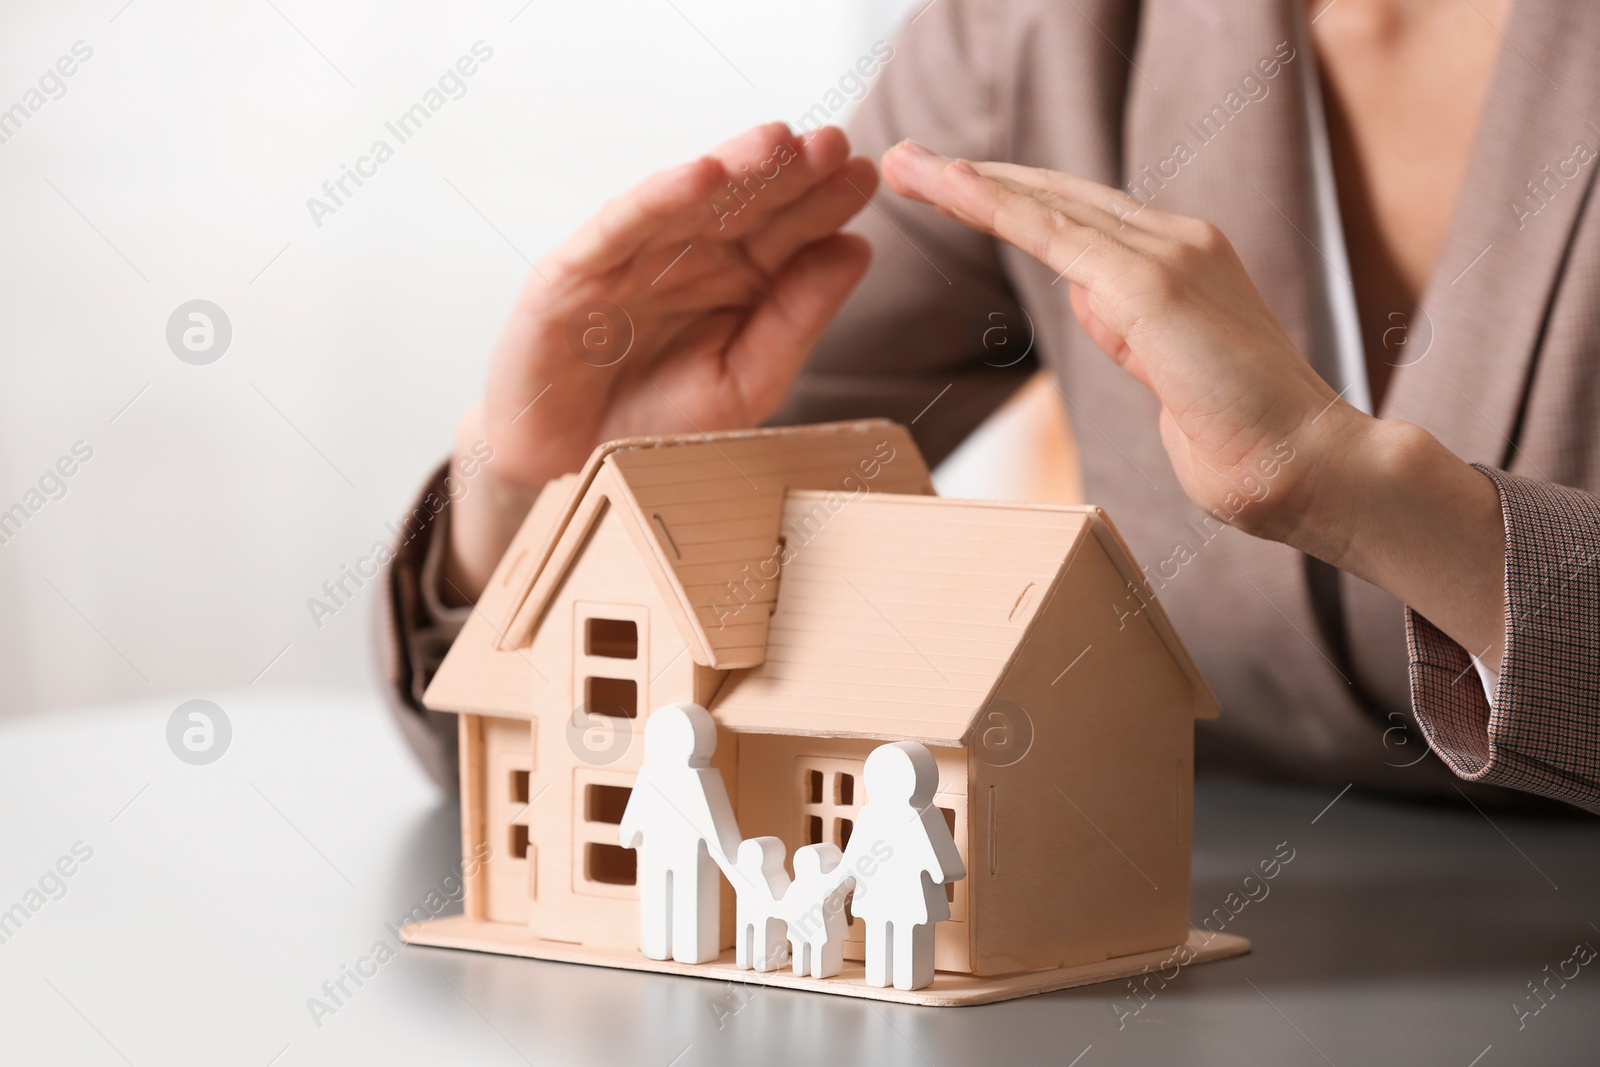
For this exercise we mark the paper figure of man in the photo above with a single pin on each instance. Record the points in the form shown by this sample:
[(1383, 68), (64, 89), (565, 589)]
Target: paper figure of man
[(679, 819)]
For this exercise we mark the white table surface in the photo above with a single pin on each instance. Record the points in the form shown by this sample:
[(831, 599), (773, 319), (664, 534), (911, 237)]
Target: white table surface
[(218, 899)]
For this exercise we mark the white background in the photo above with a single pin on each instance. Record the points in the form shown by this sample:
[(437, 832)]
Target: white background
[(177, 166)]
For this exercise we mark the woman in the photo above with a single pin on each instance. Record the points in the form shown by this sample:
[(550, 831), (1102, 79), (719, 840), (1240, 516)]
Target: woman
[(1389, 285)]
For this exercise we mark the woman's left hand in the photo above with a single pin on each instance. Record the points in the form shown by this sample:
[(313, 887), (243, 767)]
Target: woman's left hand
[(1167, 299)]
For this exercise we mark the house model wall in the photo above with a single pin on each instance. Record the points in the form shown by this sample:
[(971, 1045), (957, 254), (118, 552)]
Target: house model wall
[(807, 588)]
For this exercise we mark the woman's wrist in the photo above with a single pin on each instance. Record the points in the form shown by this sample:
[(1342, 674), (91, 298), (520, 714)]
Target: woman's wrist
[(1389, 503), (484, 518), (1350, 462)]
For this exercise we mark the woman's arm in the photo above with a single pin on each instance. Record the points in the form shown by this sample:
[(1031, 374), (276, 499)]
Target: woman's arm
[(1167, 299), (1491, 566), (1394, 506)]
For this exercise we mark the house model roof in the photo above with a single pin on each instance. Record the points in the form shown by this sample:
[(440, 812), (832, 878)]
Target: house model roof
[(900, 614), (709, 505), (895, 613)]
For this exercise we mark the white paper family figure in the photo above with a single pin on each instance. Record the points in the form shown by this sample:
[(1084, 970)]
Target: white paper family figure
[(899, 857), (679, 818), (814, 911), (901, 895), (758, 889)]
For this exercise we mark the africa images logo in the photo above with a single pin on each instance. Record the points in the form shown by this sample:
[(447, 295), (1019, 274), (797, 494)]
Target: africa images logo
[(199, 732)]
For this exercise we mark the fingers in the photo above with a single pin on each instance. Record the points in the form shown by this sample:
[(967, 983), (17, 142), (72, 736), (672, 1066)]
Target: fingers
[(1079, 211), (663, 204), (725, 194), (768, 169), (1069, 189), (1105, 338), (1080, 243), (1107, 208), (1077, 251), (1117, 222), (1102, 335), (917, 174), (764, 358), (821, 211)]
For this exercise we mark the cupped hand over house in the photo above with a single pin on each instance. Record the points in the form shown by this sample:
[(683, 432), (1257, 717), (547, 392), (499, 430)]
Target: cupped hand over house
[(1167, 298), (688, 303), (720, 274)]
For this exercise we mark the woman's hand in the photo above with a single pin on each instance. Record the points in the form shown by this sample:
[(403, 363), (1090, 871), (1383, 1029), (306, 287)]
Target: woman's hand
[(1167, 299), (688, 303)]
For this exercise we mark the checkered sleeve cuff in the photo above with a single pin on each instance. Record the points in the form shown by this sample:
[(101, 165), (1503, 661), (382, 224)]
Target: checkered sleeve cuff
[(1542, 732)]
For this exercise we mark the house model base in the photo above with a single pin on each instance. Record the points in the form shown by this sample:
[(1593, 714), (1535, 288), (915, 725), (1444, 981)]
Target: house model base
[(948, 990), (803, 600)]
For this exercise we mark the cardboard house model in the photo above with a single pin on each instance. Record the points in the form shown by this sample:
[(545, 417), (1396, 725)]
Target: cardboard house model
[(808, 589)]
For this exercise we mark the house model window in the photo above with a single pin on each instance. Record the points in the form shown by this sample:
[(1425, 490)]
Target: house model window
[(609, 662), (612, 638), (610, 669), (519, 821), (601, 867), (829, 799)]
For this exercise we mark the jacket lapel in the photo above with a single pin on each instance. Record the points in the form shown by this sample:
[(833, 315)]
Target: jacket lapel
[(1211, 135), (1531, 166)]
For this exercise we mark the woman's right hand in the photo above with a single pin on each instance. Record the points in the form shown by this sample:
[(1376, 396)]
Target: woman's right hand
[(688, 303)]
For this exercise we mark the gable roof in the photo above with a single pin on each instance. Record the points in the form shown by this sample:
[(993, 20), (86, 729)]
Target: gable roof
[(706, 508), (899, 616)]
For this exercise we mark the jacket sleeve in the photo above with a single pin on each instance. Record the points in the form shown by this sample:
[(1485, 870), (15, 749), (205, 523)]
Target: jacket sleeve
[(414, 629), (1541, 733)]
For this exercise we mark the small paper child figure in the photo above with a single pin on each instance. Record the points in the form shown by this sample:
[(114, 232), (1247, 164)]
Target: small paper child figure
[(900, 856), (679, 818), (759, 882), (814, 911)]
